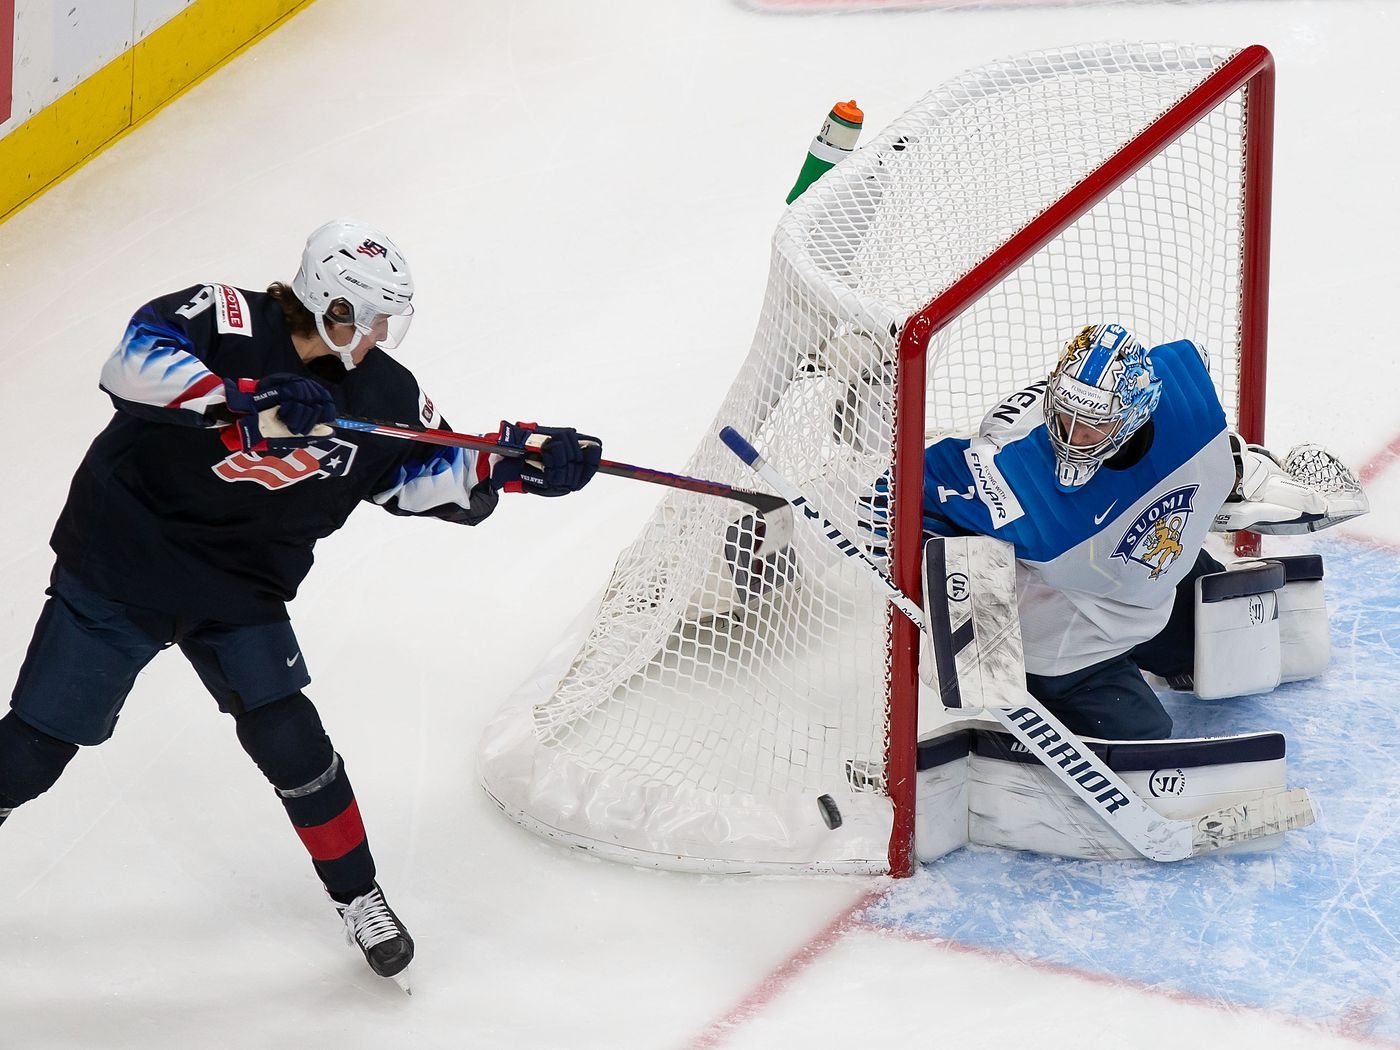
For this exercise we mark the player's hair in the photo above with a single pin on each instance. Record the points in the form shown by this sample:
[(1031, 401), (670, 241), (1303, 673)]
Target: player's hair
[(299, 320)]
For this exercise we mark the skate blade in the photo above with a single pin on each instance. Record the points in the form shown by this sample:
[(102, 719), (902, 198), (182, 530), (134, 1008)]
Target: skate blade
[(401, 979)]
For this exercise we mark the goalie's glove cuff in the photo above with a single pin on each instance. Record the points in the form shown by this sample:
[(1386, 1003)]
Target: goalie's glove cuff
[(558, 460), (1310, 490)]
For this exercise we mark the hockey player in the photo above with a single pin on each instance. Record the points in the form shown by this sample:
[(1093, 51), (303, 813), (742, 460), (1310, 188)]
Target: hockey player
[(1106, 478), (192, 519)]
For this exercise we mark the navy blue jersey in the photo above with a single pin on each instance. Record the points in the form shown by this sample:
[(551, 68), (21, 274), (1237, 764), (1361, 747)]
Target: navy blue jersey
[(1097, 567), (167, 513)]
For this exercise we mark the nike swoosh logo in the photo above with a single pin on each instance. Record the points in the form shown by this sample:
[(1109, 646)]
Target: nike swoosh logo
[(291, 661), (1098, 518)]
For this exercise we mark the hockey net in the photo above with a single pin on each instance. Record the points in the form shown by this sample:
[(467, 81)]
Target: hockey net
[(740, 698)]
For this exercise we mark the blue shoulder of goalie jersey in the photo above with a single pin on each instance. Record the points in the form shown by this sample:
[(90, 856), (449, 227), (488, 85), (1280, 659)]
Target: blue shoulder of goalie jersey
[(1001, 482)]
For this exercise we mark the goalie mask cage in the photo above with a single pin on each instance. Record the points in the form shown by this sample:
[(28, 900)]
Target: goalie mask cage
[(741, 699)]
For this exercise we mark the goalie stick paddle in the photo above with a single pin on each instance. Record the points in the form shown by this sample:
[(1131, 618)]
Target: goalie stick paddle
[(1154, 836), (767, 504)]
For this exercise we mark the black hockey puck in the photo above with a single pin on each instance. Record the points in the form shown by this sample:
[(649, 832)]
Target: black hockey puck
[(831, 816)]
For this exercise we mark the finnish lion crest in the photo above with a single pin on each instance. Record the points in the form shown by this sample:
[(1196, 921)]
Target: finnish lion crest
[(1154, 537)]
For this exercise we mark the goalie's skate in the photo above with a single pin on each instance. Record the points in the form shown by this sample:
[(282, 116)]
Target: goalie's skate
[(372, 925)]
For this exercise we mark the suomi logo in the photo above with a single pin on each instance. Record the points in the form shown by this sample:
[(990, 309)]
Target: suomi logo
[(1154, 537)]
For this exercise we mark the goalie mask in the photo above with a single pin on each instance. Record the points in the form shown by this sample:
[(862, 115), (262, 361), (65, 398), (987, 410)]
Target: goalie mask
[(1099, 394), (351, 274)]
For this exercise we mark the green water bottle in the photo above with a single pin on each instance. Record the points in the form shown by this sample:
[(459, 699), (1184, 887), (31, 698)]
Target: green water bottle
[(833, 144)]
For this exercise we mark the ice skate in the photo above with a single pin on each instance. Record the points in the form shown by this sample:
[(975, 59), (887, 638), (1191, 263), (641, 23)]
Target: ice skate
[(372, 925)]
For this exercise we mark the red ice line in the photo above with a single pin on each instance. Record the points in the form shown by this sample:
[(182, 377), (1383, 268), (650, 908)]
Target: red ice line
[(1350, 1026), (1380, 462), (780, 978)]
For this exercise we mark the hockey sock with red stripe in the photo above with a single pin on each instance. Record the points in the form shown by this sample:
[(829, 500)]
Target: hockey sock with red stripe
[(327, 820), (287, 741)]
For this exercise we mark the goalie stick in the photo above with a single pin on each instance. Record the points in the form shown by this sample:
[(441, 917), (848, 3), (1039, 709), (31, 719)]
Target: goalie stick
[(1071, 760), (770, 506)]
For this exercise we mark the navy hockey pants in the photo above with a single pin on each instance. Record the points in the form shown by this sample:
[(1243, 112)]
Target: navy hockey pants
[(82, 662), (1111, 699), (87, 651)]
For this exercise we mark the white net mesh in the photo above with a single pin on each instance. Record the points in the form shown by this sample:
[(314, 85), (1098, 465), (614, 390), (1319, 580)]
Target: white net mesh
[(733, 674)]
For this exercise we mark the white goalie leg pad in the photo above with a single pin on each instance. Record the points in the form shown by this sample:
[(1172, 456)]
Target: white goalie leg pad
[(974, 775), (1238, 647), (1016, 803), (1305, 635), (941, 795), (970, 597)]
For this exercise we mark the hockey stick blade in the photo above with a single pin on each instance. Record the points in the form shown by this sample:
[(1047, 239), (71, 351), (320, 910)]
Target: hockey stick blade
[(768, 505), (1269, 815), (1152, 835)]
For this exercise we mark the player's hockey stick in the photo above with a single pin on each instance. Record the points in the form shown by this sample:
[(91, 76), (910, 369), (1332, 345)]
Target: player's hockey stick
[(1154, 836), (764, 502)]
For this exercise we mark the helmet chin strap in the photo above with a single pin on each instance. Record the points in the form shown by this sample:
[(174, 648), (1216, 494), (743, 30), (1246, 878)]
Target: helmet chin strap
[(342, 352)]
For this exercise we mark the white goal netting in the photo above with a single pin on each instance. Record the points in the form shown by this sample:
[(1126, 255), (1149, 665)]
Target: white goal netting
[(735, 670)]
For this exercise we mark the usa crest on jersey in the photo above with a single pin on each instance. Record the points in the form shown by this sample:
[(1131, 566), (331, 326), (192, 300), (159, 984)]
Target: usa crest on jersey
[(324, 459)]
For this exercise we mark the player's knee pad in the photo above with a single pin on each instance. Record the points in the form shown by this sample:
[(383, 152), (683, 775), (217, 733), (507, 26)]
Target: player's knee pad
[(31, 761), (1238, 650), (1259, 624), (286, 740), (1305, 637)]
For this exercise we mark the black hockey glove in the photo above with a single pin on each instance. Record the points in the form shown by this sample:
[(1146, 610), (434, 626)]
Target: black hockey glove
[(562, 460), (300, 403)]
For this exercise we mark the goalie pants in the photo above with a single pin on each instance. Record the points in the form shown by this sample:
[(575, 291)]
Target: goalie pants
[(1111, 699), (82, 663)]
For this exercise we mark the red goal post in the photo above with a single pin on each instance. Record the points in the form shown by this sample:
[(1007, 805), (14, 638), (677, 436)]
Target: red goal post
[(1248, 75), (739, 699)]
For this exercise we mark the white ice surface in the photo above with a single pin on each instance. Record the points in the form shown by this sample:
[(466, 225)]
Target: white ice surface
[(586, 191)]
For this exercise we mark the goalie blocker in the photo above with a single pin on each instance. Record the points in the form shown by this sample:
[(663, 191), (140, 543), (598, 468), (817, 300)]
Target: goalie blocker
[(978, 784)]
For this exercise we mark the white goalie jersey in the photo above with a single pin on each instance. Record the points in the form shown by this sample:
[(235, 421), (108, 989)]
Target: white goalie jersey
[(1097, 567)]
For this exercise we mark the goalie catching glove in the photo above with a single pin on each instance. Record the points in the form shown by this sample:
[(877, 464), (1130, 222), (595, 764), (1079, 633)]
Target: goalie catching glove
[(279, 411), (1310, 489), (560, 460)]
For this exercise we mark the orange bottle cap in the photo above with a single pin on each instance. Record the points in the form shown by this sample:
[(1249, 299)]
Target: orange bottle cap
[(849, 112)]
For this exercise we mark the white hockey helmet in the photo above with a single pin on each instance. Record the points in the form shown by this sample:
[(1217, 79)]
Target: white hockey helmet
[(1099, 394), (352, 273)]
